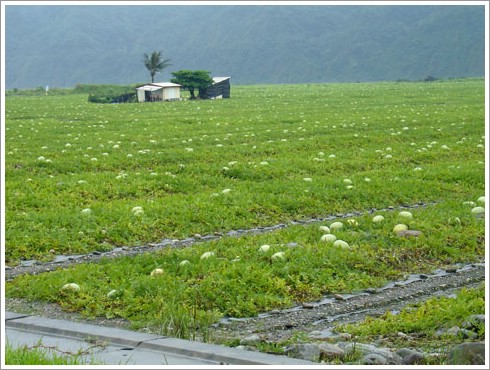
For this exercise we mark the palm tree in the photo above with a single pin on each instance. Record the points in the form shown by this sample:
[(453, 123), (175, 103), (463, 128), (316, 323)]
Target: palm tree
[(155, 64)]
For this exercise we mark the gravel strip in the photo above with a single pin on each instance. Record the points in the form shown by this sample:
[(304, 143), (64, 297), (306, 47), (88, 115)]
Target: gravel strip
[(278, 325)]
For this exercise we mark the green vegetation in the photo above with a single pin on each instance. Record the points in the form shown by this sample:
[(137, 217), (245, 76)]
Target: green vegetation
[(90, 89), (424, 326), (155, 64), (42, 355), (84, 177), (107, 93), (75, 170), (192, 80), (240, 280), (425, 319)]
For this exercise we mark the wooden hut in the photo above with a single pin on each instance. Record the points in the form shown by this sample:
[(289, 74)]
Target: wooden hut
[(219, 89), (158, 91)]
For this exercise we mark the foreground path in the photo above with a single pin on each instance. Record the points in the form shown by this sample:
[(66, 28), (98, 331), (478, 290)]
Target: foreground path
[(114, 346)]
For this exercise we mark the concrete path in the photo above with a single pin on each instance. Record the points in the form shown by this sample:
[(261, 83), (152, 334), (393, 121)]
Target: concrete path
[(113, 346)]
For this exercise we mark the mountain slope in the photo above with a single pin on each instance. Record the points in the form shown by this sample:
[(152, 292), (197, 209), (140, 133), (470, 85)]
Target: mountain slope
[(65, 45)]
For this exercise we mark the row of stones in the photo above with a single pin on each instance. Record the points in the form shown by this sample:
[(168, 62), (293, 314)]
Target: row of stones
[(466, 353)]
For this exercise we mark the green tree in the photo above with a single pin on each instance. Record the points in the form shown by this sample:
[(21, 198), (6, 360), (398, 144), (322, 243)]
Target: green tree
[(155, 64), (192, 80)]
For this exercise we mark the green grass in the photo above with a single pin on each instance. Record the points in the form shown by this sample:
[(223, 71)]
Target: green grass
[(426, 317), (41, 355), (200, 167)]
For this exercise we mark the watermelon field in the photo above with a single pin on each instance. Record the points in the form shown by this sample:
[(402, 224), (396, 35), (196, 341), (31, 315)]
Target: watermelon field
[(82, 177)]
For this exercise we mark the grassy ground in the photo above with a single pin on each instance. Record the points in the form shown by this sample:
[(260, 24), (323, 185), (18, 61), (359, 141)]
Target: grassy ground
[(42, 355), (425, 318), (82, 177)]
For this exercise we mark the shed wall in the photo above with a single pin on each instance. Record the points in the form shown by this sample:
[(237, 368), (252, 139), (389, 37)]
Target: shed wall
[(171, 93), (150, 93), (219, 89), (141, 96)]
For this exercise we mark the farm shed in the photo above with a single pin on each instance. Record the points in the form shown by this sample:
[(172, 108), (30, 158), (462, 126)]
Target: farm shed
[(158, 91), (219, 89)]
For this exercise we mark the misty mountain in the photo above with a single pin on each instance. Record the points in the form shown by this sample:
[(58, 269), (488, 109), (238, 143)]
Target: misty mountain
[(64, 45)]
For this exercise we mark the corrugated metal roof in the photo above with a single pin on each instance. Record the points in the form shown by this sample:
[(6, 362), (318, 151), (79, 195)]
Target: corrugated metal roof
[(157, 86), (149, 88), (166, 84)]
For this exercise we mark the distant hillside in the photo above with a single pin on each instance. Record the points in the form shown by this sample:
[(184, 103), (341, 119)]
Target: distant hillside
[(62, 46)]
